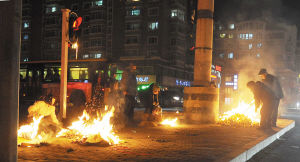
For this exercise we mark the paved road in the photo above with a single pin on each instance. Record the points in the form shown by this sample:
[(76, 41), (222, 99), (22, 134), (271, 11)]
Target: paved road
[(285, 149)]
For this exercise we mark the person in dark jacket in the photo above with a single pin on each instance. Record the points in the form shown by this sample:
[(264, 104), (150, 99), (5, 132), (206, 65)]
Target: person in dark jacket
[(263, 95), (153, 112), (149, 98), (129, 88), (273, 83)]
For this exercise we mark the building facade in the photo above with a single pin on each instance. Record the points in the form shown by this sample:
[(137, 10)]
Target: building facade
[(154, 35), (243, 48)]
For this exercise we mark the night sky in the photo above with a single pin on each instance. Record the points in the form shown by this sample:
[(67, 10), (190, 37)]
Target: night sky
[(285, 10)]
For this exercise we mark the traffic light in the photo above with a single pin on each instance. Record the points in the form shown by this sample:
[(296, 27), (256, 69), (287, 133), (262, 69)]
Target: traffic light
[(74, 30)]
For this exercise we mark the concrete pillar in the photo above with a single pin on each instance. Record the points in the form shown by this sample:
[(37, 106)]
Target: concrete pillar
[(64, 62), (204, 41), (201, 102), (10, 41)]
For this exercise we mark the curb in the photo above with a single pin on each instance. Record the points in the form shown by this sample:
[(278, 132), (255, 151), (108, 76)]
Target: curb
[(248, 154)]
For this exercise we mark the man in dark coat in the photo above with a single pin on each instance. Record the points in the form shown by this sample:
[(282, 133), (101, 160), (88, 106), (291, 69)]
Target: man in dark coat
[(263, 95), (129, 88), (273, 83)]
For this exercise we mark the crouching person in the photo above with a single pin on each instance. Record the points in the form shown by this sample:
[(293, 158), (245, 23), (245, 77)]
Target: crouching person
[(263, 95), (45, 109)]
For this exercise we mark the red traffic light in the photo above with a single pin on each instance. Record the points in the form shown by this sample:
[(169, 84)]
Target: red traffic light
[(77, 23)]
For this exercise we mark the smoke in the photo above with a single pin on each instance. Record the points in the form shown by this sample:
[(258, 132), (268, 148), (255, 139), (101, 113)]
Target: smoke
[(240, 10)]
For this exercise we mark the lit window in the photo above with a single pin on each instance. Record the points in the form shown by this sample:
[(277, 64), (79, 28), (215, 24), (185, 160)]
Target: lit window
[(99, 3), (258, 55), (174, 13), (246, 36), (85, 56), (221, 55), (259, 45), (53, 9), (135, 12), (230, 36), (241, 36), (153, 25), (220, 27), (26, 24), (230, 55), (231, 26), (250, 36), (250, 46), (26, 36), (223, 35), (98, 55), (177, 13), (227, 101)]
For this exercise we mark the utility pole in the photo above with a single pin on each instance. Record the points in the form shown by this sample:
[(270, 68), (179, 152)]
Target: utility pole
[(201, 102), (64, 62), (10, 45)]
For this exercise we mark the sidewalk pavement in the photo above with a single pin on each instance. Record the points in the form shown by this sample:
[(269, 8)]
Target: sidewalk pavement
[(209, 142)]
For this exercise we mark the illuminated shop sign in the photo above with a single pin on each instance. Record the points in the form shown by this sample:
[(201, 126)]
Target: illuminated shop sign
[(229, 83), (145, 79), (142, 79), (183, 83), (216, 74), (235, 82)]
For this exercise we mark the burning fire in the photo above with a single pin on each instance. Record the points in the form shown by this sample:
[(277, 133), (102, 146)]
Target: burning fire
[(92, 129), (243, 115), (30, 131), (86, 129), (43, 116), (170, 122)]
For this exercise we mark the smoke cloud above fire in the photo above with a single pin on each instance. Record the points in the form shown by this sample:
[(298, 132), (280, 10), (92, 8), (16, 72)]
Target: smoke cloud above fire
[(239, 10)]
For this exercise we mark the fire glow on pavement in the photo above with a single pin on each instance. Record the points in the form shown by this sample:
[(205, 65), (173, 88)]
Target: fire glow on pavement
[(170, 122), (244, 115), (91, 130), (86, 129)]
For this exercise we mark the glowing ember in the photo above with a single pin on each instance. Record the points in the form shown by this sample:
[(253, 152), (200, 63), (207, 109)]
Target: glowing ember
[(243, 115), (92, 129), (170, 122)]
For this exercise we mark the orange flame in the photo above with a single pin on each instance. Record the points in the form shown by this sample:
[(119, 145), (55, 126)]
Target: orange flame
[(243, 109), (30, 131), (91, 129), (170, 122)]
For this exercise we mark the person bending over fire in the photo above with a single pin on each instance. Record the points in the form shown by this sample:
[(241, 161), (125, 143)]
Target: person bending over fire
[(149, 98), (273, 83), (263, 95)]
